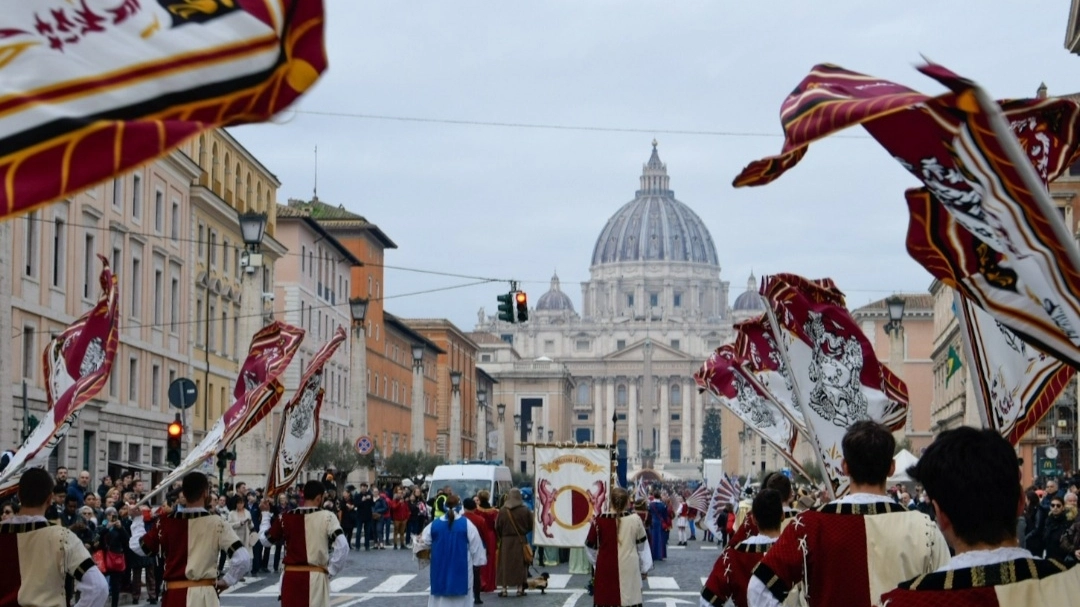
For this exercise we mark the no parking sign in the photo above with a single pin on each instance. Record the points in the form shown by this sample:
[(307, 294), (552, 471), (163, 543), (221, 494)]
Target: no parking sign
[(364, 445)]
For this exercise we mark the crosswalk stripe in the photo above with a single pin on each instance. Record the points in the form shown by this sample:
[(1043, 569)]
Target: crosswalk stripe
[(559, 580), (341, 583), (662, 583), (394, 583), (271, 589), (676, 547), (709, 548)]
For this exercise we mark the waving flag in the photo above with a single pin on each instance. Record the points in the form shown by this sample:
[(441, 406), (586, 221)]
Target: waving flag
[(1015, 383), (698, 501), (727, 492), (257, 391), (92, 88), (984, 223), (838, 379), (77, 364), (756, 345), (300, 421)]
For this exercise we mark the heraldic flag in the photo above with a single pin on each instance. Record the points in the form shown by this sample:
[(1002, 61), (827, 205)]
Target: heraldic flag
[(572, 486), (727, 492), (92, 88), (300, 421), (723, 376), (837, 377), (984, 223), (756, 345), (257, 392), (77, 364)]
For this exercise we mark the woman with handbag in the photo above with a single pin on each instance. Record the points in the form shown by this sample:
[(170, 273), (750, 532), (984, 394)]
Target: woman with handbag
[(515, 554), (114, 538)]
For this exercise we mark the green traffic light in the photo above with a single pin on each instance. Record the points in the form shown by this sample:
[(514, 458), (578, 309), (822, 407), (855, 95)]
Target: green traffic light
[(506, 307)]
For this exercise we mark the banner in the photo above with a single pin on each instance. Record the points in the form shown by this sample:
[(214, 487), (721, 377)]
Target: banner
[(77, 364), (698, 501), (299, 429), (257, 391), (135, 78), (756, 346), (572, 486), (1015, 384), (837, 377), (727, 492)]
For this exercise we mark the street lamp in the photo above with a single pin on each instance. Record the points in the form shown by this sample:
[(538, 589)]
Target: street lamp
[(253, 447), (418, 406), (501, 408), (481, 423), (517, 421), (895, 304), (358, 415), (417, 354), (455, 416), (551, 435), (252, 229), (455, 380)]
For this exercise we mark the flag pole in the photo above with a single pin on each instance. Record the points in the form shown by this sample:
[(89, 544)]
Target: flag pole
[(614, 482), (969, 351)]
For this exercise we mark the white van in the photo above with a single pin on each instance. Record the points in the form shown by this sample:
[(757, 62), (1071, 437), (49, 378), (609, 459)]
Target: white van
[(467, 479)]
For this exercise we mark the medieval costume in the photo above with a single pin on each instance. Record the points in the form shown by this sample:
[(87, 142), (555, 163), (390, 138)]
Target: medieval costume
[(619, 550), (189, 542), (749, 527), (511, 526), (487, 532), (309, 535), (487, 539), (658, 521), (848, 553), (991, 578), (579, 562), (37, 558), (731, 572), (456, 548)]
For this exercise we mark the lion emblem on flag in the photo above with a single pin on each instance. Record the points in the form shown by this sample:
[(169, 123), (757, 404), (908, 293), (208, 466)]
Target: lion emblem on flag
[(835, 368)]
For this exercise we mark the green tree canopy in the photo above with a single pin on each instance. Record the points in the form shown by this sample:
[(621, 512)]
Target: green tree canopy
[(342, 457), (411, 465), (710, 435)]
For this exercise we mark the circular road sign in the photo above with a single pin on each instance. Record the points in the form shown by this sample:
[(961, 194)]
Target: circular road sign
[(364, 445), (182, 393)]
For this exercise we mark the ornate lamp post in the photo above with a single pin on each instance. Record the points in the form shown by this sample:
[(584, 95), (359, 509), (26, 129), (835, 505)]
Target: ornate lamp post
[(455, 417), (501, 409), (417, 425), (481, 424), (358, 412), (895, 330), (252, 448)]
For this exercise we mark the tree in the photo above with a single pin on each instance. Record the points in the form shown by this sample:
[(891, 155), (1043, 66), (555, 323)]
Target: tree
[(813, 470), (411, 465), (520, 479), (342, 457), (904, 443), (710, 435)]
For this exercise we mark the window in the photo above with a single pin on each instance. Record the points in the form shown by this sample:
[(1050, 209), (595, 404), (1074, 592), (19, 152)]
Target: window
[(224, 334), (118, 193), (211, 329), (155, 386), (303, 258), (620, 344), (583, 417), (678, 300), (136, 286), (114, 379), (507, 337), (88, 264), (199, 322), (549, 346), (676, 417), (29, 352), (236, 336), (159, 211), (30, 252), (159, 295), (620, 395), (485, 358), (654, 299), (621, 417), (225, 255), (675, 344), (174, 303), (59, 256), (583, 435), (136, 197), (629, 300), (212, 244), (174, 227), (202, 243), (676, 450), (133, 380), (134, 453), (583, 394), (117, 258), (581, 345)]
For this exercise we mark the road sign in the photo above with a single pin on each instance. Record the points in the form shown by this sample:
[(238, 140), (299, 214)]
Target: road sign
[(364, 445), (182, 393)]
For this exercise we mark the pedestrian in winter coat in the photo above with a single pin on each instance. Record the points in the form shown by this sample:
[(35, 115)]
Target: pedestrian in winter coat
[(1055, 526), (514, 521)]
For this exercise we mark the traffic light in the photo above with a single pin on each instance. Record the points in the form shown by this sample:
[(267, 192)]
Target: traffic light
[(522, 301), (172, 443), (506, 307)]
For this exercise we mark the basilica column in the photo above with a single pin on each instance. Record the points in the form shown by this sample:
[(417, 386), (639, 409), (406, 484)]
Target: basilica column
[(632, 423), (665, 422), (688, 447), (598, 409), (699, 421), (608, 425)]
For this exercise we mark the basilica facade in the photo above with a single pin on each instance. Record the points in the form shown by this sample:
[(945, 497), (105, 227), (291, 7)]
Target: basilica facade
[(654, 307)]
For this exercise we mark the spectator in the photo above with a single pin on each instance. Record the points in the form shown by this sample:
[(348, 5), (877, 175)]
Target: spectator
[(62, 476), (80, 488), (1054, 527), (103, 488), (365, 518), (399, 515), (70, 514), (348, 514), (114, 538), (380, 509), (139, 567)]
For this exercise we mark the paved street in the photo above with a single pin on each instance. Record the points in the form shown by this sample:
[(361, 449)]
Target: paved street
[(381, 576)]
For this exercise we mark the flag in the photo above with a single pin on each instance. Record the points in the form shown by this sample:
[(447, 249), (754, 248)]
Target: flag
[(983, 223), (299, 429), (639, 491), (1015, 383), (727, 492), (698, 501), (92, 88), (837, 377), (952, 364), (257, 391), (764, 364), (77, 363)]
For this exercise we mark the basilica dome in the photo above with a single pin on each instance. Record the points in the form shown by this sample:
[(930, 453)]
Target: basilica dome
[(555, 300), (749, 300), (654, 226)]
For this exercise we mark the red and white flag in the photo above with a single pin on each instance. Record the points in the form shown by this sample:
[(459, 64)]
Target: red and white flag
[(698, 501), (300, 421), (837, 377), (727, 492), (756, 345), (77, 364), (92, 88), (257, 391)]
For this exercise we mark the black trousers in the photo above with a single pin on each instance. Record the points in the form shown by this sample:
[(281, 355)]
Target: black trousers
[(476, 584)]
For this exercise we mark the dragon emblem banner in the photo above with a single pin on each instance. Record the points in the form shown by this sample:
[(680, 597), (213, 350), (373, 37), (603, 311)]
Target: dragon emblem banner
[(837, 377), (572, 485), (984, 165), (300, 421), (257, 391), (1015, 383), (77, 364), (92, 88)]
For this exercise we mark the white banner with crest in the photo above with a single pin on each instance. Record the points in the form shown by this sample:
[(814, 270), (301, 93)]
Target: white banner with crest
[(572, 485)]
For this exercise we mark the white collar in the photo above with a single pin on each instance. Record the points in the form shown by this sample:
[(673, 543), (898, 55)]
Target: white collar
[(862, 498), (993, 556), (22, 519), (759, 539)]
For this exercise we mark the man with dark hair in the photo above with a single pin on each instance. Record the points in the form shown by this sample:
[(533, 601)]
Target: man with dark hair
[(189, 542), (851, 550), (963, 466), (315, 548), (39, 556), (731, 572), (782, 485)]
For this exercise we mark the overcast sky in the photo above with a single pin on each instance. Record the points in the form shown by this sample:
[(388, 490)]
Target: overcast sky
[(520, 203)]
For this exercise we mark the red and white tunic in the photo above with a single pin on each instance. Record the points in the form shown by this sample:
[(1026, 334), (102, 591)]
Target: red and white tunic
[(731, 573), (619, 550), (190, 541), (309, 534), (37, 557), (749, 527), (991, 578), (848, 552)]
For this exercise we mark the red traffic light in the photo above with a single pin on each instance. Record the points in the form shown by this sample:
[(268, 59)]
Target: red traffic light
[(175, 429)]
